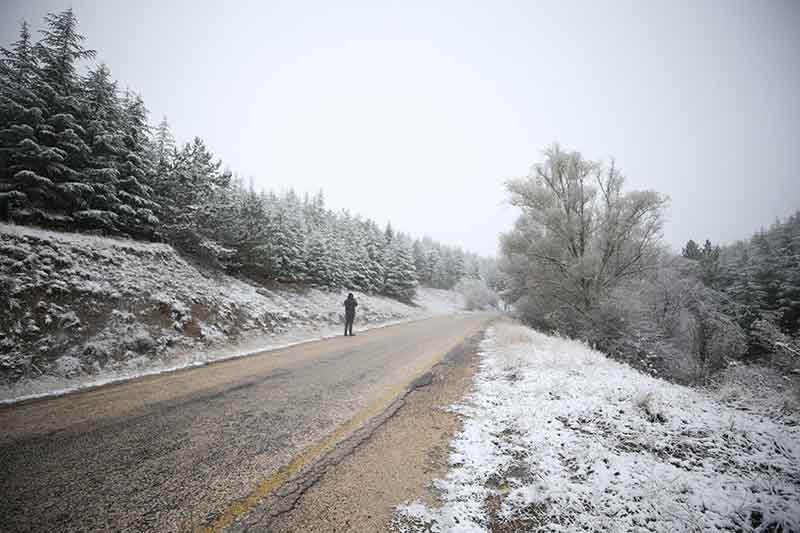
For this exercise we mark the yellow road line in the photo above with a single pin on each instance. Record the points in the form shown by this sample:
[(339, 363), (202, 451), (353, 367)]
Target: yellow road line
[(313, 452)]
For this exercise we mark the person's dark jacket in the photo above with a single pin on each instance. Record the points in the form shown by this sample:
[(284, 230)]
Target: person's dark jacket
[(350, 305)]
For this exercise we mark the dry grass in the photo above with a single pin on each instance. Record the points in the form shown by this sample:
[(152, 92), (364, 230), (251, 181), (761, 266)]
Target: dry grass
[(508, 333), (758, 388)]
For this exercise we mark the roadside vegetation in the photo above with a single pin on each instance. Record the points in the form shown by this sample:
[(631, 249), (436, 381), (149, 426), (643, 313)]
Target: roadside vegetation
[(586, 260), (558, 437)]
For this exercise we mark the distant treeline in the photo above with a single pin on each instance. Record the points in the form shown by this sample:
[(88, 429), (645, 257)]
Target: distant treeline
[(760, 277), (77, 154)]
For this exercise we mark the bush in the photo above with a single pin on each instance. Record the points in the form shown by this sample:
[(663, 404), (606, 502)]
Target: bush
[(477, 295)]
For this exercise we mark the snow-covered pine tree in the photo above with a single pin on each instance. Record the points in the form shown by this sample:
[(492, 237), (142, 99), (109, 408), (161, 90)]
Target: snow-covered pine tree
[(400, 281), (93, 199), (455, 268), (321, 264), (421, 262), (314, 211), (287, 241), (375, 243), (137, 206), (788, 246), (162, 154), (61, 136), (438, 272), (243, 225), (471, 266), (691, 250), (357, 255), (21, 113)]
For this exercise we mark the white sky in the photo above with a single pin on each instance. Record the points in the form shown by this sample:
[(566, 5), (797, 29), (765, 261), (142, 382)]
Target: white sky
[(416, 112)]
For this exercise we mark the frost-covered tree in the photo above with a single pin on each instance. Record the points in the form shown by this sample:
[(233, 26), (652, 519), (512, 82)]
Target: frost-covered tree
[(477, 294), (579, 235)]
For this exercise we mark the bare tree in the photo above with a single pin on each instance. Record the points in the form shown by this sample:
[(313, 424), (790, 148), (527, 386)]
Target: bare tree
[(579, 235)]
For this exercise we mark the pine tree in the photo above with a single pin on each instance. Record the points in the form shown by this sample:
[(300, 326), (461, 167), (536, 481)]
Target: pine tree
[(375, 245), (59, 51), (438, 272), (709, 264), (691, 250), (137, 174), (421, 262), (358, 257), (287, 243), (400, 279), (61, 135), (454, 268), (20, 117), (319, 261), (789, 265), (162, 150), (243, 225), (92, 199), (44, 148)]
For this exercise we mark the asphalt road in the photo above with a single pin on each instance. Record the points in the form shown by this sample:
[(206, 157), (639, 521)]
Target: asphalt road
[(179, 451)]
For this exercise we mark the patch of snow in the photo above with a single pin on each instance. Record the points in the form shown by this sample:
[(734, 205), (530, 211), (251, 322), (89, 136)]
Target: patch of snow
[(67, 366), (558, 437)]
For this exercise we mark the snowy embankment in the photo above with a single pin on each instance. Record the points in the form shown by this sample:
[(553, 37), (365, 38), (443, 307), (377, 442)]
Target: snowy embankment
[(557, 437), (79, 310)]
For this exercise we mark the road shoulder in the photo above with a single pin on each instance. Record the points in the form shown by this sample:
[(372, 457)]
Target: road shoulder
[(393, 460)]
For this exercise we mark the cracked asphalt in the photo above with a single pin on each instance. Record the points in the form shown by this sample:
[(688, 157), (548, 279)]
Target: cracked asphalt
[(200, 447)]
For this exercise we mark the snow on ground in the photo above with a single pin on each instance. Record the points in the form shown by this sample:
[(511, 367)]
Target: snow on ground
[(79, 310), (557, 437)]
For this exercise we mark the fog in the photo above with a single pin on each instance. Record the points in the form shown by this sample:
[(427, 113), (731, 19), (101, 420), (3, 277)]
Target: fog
[(416, 112)]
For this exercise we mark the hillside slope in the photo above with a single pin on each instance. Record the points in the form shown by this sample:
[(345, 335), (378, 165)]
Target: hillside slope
[(557, 437), (75, 309)]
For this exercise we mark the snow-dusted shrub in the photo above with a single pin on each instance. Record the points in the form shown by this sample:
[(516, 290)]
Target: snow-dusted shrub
[(105, 221), (67, 366), (667, 323), (757, 388), (715, 339), (768, 334), (649, 404), (477, 295)]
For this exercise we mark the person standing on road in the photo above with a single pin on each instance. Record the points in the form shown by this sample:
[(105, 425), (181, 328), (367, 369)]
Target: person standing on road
[(349, 314)]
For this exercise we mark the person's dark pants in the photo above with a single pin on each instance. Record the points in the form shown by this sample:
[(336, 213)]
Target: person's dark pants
[(348, 324)]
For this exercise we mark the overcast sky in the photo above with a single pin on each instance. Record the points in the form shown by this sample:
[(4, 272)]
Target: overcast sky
[(416, 112)]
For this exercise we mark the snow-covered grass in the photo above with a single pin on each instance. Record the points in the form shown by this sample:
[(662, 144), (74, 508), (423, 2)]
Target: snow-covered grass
[(79, 310), (557, 437)]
